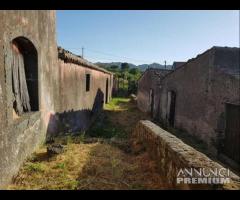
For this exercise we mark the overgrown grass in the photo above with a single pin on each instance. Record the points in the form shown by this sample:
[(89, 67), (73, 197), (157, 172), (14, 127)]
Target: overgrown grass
[(97, 165), (65, 140), (190, 140), (104, 128), (187, 138), (89, 166), (34, 167), (60, 166), (117, 104)]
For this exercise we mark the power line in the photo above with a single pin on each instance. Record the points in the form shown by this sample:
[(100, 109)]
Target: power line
[(112, 55), (123, 57), (102, 58)]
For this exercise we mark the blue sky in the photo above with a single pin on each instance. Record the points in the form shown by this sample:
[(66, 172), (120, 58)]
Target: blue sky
[(145, 36)]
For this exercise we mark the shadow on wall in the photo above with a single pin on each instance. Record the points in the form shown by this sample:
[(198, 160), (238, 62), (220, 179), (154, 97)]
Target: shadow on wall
[(75, 121)]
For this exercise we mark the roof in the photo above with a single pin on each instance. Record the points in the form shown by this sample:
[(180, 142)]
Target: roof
[(69, 57), (157, 71), (226, 60), (214, 49), (177, 64)]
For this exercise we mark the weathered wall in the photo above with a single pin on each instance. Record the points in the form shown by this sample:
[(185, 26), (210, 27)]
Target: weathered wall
[(171, 155), (149, 80), (18, 138), (79, 107), (202, 88), (115, 85), (64, 104)]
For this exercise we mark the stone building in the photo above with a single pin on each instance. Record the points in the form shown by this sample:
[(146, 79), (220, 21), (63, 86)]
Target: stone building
[(148, 90), (202, 98), (84, 88), (38, 90), (177, 64)]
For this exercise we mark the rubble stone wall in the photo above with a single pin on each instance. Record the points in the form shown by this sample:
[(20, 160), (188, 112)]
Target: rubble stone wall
[(171, 155)]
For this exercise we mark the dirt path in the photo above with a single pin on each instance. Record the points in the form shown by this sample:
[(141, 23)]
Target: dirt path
[(94, 164), (124, 113)]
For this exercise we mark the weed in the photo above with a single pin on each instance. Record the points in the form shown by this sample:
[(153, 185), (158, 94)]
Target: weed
[(80, 138), (115, 103), (60, 166), (71, 184), (69, 140), (114, 165), (137, 186), (106, 130), (35, 167), (97, 165)]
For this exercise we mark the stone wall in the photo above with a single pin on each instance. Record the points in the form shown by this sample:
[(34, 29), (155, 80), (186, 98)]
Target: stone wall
[(61, 92), (19, 137), (203, 85), (79, 107), (171, 155), (150, 80)]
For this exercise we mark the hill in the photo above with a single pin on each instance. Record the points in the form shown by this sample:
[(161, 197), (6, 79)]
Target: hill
[(141, 67)]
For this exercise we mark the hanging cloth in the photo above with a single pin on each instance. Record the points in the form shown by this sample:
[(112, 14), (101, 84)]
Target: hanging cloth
[(20, 90)]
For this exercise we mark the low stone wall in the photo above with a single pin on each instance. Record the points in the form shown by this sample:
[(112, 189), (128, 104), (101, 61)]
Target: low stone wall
[(172, 155)]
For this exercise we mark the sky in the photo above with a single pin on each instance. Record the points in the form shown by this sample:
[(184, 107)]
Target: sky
[(144, 37)]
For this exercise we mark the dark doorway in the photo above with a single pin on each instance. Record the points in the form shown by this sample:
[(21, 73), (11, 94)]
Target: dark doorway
[(106, 98), (24, 76), (151, 101), (232, 132), (172, 102), (87, 82)]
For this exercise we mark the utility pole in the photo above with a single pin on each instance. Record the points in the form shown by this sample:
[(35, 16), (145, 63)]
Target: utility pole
[(165, 62), (82, 51)]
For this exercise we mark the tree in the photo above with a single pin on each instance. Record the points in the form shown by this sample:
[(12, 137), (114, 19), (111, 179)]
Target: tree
[(134, 71), (125, 67), (114, 68)]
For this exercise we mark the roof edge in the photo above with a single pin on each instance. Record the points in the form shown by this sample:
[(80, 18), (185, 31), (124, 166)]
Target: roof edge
[(213, 48), (69, 57), (151, 68)]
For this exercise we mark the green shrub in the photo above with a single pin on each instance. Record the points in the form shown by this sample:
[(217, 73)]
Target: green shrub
[(35, 167)]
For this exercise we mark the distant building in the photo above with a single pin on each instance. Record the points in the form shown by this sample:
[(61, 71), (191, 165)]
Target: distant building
[(84, 89), (177, 64), (202, 98), (148, 89)]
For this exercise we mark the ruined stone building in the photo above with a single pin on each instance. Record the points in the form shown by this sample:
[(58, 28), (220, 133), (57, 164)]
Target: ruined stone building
[(177, 64), (44, 90), (148, 90), (201, 97)]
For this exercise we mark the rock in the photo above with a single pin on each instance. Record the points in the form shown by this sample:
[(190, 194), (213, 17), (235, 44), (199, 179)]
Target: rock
[(137, 147), (55, 149), (122, 144), (133, 98), (91, 140), (50, 140)]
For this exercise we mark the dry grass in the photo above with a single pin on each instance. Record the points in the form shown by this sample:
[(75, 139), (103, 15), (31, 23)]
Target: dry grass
[(122, 112), (99, 165), (88, 166)]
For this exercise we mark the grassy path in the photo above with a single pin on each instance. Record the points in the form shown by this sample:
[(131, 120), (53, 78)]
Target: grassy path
[(94, 164)]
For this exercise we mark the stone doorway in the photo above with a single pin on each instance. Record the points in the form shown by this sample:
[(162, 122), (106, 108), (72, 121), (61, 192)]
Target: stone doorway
[(106, 98), (232, 132), (171, 108), (151, 101)]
